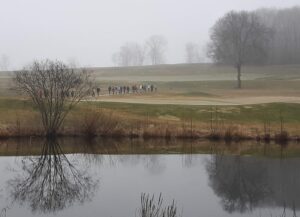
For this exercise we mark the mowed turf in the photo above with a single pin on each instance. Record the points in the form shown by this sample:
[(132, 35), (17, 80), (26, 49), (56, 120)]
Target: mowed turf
[(204, 80), (290, 113), (195, 72), (237, 114), (190, 82), (194, 80)]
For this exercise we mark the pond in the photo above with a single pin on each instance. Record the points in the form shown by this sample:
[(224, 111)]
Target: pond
[(73, 177)]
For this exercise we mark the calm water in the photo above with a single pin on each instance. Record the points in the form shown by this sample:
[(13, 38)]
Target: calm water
[(106, 178)]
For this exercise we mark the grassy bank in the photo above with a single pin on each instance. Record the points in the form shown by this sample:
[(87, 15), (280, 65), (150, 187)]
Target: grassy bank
[(264, 121)]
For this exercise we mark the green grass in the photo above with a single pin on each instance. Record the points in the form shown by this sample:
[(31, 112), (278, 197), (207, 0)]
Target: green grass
[(198, 71), (237, 114), (190, 79), (13, 105), (247, 84)]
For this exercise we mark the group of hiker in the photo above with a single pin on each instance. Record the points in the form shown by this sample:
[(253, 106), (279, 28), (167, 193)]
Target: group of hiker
[(119, 90), (112, 90), (142, 88)]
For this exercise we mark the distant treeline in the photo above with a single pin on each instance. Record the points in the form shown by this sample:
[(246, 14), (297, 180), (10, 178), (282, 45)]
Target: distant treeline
[(284, 46), (285, 43)]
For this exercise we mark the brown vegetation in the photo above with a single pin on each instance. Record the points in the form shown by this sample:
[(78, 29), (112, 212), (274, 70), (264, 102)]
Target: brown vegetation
[(94, 121), (93, 126)]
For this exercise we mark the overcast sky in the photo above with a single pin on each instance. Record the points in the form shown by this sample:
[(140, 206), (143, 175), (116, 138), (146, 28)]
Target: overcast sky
[(90, 31)]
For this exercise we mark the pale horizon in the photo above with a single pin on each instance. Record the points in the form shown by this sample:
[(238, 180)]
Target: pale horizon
[(88, 32)]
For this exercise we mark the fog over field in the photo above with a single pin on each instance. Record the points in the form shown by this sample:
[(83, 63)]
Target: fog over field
[(88, 32), (109, 108)]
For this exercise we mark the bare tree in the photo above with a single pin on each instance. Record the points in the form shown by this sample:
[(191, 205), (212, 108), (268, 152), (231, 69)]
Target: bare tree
[(134, 54), (54, 89), (125, 55), (139, 54), (130, 54), (156, 45), (192, 53), (285, 45), (116, 59), (4, 62), (239, 38)]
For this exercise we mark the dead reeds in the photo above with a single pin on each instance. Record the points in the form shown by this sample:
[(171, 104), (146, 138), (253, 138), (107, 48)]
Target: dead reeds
[(96, 122), (282, 137), (150, 207)]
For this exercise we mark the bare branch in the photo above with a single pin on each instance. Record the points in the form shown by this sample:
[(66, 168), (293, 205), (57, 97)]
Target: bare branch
[(54, 89)]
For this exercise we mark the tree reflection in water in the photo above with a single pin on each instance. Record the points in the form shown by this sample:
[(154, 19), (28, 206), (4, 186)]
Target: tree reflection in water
[(240, 183), (246, 183), (50, 182)]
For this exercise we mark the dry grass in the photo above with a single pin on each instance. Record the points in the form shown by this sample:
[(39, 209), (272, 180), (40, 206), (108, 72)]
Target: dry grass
[(21, 124), (98, 122), (101, 122), (122, 120)]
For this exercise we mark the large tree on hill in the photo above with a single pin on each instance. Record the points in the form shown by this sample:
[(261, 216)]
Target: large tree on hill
[(239, 38), (54, 89)]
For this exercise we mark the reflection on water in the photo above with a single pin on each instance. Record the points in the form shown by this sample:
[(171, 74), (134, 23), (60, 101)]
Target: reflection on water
[(50, 182), (246, 183), (241, 183), (63, 178)]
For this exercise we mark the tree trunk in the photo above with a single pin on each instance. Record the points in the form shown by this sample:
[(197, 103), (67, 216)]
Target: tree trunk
[(51, 133), (239, 69)]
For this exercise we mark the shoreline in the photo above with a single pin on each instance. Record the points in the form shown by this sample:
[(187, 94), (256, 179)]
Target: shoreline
[(36, 146), (280, 138)]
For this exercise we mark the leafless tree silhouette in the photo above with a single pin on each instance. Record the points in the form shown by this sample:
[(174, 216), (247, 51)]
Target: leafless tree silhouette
[(239, 38), (130, 54), (54, 89), (192, 53), (156, 46), (50, 182), (4, 62)]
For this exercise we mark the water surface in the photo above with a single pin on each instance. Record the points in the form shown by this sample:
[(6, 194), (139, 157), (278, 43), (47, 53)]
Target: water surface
[(73, 177)]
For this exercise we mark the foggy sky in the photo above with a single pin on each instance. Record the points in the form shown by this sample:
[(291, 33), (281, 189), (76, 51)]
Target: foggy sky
[(89, 31)]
